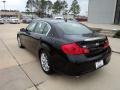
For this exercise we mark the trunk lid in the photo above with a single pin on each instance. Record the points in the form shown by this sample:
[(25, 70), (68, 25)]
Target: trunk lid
[(94, 42)]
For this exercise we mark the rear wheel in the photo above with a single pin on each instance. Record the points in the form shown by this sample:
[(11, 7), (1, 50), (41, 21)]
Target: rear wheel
[(45, 62), (19, 42)]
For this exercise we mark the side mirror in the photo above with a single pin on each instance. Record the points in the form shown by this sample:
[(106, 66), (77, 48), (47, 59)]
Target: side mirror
[(23, 30)]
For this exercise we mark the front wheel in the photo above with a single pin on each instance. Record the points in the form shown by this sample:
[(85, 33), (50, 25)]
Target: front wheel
[(19, 42), (45, 62)]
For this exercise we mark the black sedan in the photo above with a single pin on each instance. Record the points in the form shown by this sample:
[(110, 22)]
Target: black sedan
[(67, 47)]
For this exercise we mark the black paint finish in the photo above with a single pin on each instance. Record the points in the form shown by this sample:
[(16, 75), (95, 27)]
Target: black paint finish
[(68, 64)]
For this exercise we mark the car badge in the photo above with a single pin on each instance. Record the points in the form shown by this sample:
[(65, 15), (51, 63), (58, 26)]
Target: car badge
[(97, 44)]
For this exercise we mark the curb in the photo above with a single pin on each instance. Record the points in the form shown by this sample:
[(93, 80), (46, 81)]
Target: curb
[(116, 52)]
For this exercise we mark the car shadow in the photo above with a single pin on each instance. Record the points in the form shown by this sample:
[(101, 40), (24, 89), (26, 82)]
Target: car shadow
[(82, 78)]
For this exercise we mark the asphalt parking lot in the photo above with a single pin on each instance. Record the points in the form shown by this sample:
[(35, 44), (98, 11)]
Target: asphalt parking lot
[(20, 69)]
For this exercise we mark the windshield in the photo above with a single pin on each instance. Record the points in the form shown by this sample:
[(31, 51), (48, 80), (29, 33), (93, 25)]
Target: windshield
[(74, 28)]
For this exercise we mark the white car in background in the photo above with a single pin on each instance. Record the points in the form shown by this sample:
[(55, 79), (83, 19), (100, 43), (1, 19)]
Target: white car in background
[(6, 20), (14, 20), (1, 21)]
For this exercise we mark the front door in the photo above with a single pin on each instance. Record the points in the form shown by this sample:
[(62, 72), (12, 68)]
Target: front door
[(28, 35), (36, 36)]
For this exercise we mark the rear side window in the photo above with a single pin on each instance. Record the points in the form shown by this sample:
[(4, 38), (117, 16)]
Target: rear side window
[(73, 28), (47, 28)]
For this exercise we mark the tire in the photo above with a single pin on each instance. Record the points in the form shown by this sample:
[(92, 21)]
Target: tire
[(19, 42), (45, 62)]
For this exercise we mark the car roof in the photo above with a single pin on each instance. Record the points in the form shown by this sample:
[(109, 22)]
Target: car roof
[(52, 21)]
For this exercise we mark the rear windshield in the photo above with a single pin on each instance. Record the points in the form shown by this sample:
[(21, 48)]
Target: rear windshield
[(74, 28)]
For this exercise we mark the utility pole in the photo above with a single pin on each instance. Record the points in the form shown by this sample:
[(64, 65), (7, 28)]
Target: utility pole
[(4, 3)]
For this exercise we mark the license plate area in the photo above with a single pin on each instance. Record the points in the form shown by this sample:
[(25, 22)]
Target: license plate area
[(99, 64)]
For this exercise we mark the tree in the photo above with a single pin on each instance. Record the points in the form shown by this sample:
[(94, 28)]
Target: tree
[(64, 7), (39, 5), (59, 6), (29, 6), (27, 11), (75, 8), (49, 6)]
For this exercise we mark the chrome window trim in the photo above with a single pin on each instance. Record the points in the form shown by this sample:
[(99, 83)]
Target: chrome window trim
[(48, 30)]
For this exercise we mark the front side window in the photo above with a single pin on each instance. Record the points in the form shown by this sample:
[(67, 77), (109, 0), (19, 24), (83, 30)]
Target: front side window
[(42, 28), (31, 26), (38, 28)]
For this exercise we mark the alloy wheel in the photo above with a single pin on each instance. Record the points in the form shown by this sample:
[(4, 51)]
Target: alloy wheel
[(44, 62)]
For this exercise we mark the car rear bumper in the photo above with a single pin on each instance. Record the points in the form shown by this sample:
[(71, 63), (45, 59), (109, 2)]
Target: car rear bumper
[(77, 68)]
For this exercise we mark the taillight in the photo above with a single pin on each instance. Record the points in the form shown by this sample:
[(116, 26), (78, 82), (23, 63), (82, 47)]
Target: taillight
[(73, 49), (106, 45)]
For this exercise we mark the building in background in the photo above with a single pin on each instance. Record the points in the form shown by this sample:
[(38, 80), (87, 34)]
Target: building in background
[(28, 14), (104, 11), (9, 13)]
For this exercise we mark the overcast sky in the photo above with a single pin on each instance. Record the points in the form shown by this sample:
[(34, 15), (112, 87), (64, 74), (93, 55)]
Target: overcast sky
[(20, 5)]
